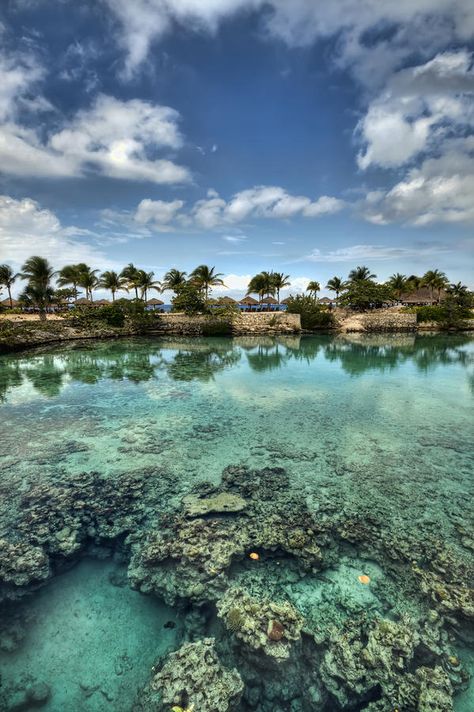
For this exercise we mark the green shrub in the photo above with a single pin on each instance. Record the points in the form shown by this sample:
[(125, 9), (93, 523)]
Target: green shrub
[(448, 314), (365, 294), (313, 315), (189, 299)]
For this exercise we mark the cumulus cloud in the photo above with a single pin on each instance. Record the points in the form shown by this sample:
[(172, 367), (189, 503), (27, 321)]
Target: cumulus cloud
[(27, 229), (157, 212), (261, 202), (440, 190), (116, 138), (419, 107)]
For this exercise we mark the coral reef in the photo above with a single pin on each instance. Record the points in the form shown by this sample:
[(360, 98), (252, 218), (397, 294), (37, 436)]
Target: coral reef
[(192, 678), (262, 625)]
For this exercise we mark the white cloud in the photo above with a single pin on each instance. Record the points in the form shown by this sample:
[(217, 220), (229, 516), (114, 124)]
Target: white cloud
[(359, 253), (234, 238), (440, 190), (159, 212), (418, 108), (114, 138), (261, 202), (27, 229), (410, 26)]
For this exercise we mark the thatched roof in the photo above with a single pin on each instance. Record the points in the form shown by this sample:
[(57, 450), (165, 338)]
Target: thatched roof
[(285, 301), (154, 302), (422, 295), (249, 301), (325, 300), (226, 300), (83, 302), (6, 303), (102, 302), (269, 300)]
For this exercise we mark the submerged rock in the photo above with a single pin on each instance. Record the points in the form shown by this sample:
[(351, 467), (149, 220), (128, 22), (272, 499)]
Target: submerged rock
[(193, 678), (195, 506)]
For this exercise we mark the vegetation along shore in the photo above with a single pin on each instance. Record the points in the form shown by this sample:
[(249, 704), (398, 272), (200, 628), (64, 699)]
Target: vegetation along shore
[(59, 305)]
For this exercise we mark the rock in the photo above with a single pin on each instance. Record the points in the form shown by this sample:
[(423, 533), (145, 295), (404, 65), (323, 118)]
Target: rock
[(193, 678), (195, 506), (275, 630)]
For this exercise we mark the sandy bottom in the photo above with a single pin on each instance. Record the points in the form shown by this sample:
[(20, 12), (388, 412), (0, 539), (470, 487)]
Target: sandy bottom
[(92, 642)]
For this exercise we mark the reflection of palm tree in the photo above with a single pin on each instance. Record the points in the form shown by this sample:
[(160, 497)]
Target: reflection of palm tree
[(268, 358), (46, 377), (202, 365), (10, 377)]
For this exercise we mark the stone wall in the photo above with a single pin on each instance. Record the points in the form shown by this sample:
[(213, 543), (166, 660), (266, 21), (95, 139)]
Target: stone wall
[(244, 323), (389, 321)]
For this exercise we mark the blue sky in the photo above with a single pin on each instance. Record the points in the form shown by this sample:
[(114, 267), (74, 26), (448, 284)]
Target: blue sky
[(299, 136)]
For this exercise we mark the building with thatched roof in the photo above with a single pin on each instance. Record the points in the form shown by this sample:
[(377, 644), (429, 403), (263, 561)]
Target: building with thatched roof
[(326, 300), (6, 303), (285, 301), (422, 297), (154, 302), (102, 303), (226, 300), (83, 302), (248, 301), (269, 300)]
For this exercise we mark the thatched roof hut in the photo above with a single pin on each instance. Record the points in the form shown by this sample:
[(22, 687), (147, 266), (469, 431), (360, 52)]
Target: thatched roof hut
[(83, 302), (154, 302), (226, 300), (102, 303), (6, 303), (422, 296), (269, 300), (285, 301), (325, 300), (248, 301)]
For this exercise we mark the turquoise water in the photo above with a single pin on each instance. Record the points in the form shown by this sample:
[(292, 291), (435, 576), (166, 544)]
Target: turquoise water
[(373, 428)]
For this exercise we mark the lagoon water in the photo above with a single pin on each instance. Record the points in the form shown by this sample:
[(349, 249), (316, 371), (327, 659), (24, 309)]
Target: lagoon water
[(373, 425)]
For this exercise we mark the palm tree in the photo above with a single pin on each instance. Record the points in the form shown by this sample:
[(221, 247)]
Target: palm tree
[(7, 279), (205, 278), (361, 274), (145, 282), (173, 280), (112, 281), (39, 274), (88, 279), (313, 288), (336, 284), (279, 281), (398, 282), (131, 274), (71, 275), (413, 283), (261, 284), (434, 279)]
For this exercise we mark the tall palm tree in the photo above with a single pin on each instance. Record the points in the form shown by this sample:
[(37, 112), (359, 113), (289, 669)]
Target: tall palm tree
[(173, 279), (398, 282), (145, 282), (71, 275), (336, 284), (205, 278), (279, 281), (361, 274), (112, 281), (39, 273), (434, 279), (413, 283), (261, 284), (7, 279), (313, 288), (88, 280), (131, 274)]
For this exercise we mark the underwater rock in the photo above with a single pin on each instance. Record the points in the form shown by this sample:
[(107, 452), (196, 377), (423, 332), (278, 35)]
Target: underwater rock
[(262, 625), (195, 506), (20, 563), (22, 699), (193, 678)]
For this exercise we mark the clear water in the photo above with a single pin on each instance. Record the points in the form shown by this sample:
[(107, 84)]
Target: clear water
[(378, 424)]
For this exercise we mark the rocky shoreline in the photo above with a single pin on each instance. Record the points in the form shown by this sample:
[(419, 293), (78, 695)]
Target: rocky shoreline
[(20, 335)]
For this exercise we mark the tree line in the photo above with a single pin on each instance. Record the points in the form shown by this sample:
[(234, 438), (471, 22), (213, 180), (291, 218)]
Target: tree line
[(358, 289)]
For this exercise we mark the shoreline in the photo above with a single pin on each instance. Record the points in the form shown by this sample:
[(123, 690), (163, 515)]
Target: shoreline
[(22, 335)]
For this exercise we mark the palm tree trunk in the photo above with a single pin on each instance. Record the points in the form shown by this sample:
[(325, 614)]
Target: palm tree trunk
[(10, 296), (113, 295), (74, 284)]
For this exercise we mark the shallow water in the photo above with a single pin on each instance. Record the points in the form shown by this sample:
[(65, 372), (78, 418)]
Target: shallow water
[(381, 423)]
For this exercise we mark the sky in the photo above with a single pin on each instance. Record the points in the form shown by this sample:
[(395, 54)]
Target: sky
[(301, 136)]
